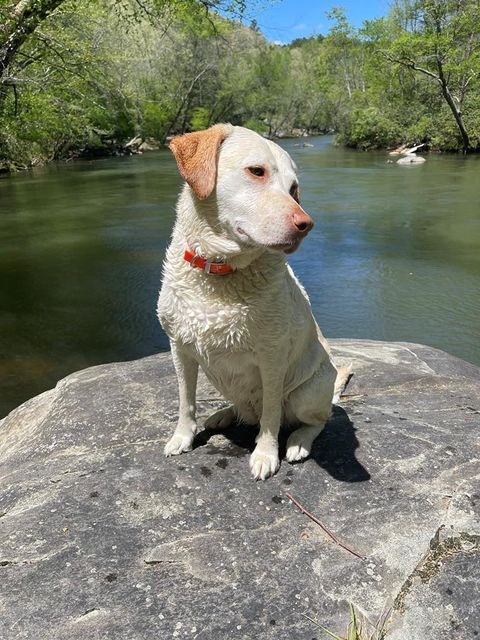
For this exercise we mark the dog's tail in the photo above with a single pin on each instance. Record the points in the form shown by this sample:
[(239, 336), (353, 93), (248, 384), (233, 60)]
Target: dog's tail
[(343, 377)]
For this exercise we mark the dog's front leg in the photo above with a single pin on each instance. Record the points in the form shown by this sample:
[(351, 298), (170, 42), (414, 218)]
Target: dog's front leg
[(186, 368), (264, 460)]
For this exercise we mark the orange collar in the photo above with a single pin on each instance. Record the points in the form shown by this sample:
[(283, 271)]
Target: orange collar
[(214, 268)]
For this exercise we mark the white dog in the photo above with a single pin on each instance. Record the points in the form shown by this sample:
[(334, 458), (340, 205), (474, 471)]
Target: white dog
[(231, 304)]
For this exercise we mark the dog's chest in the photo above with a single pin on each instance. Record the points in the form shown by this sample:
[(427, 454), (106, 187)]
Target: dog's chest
[(209, 323)]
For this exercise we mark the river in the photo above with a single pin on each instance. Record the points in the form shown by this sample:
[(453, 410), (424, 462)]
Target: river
[(394, 255)]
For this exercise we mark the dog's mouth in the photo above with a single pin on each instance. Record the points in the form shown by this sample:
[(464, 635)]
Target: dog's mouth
[(286, 247)]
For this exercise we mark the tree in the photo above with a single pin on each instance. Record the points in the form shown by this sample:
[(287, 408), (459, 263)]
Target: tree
[(440, 39), (84, 77), (18, 21)]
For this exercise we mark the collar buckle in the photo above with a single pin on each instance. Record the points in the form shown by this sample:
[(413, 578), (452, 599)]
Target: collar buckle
[(195, 260)]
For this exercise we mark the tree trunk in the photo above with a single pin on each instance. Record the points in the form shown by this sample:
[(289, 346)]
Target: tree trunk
[(24, 18), (458, 119), (453, 107)]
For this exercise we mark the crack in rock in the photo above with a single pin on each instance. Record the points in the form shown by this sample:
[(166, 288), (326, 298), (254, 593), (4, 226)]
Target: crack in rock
[(440, 548), (32, 561), (87, 615)]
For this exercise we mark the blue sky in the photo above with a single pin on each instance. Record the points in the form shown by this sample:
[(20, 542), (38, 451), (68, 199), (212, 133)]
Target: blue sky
[(285, 20)]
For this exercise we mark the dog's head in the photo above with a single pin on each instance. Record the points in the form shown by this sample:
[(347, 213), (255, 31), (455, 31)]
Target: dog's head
[(252, 182)]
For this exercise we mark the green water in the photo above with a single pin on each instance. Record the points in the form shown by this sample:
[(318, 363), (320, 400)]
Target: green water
[(394, 255)]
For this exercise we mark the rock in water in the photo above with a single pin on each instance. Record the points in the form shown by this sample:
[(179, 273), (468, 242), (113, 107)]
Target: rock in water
[(411, 158), (103, 537)]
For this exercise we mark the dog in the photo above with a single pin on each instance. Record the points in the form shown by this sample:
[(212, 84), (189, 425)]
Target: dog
[(230, 303)]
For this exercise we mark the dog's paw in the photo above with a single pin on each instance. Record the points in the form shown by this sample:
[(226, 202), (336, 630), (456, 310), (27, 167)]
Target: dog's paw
[(264, 463), (298, 446), (221, 419), (178, 443)]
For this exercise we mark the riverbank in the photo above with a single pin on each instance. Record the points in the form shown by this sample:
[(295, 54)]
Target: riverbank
[(111, 148), (106, 147)]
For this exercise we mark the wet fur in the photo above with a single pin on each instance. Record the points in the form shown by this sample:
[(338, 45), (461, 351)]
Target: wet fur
[(252, 332)]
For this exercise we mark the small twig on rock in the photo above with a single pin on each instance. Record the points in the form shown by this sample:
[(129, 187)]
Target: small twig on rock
[(325, 529)]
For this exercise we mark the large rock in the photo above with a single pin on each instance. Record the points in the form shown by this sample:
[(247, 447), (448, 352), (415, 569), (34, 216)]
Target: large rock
[(102, 537)]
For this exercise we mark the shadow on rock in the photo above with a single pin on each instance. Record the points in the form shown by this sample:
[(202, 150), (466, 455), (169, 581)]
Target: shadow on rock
[(242, 437), (333, 450)]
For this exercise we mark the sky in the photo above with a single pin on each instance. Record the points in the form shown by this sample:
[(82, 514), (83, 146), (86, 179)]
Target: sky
[(284, 20)]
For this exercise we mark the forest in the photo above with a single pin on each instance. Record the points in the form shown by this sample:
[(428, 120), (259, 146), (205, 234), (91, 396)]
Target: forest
[(93, 77)]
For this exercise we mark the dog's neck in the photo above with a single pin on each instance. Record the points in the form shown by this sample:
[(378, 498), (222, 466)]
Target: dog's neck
[(197, 224)]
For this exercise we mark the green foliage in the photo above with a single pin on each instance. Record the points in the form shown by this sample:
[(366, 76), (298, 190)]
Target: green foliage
[(439, 40), (200, 119), (100, 72), (369, 128), (256, 125), (155, 119)]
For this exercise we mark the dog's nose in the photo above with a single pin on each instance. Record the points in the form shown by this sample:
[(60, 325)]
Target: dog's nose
[(302, 221)]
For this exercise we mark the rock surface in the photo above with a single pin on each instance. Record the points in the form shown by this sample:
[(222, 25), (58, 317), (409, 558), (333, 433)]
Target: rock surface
[(102, 537)]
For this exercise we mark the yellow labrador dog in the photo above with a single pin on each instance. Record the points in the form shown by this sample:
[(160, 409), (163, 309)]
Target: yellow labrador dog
[(230, 303)]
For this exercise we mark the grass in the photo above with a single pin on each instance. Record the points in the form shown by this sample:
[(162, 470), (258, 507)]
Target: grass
[(358, 629)]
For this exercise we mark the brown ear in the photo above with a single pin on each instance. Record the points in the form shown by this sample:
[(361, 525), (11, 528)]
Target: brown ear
[(196, 155)]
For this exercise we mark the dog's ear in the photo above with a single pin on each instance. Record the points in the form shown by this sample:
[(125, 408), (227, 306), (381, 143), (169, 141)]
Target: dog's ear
[(196, 155)]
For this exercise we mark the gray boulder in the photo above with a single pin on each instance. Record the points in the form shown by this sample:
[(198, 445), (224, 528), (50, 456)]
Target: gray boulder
[(102, 537)]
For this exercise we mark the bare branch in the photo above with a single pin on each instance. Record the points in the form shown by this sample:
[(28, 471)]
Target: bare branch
[(325, 528), (409, 64)]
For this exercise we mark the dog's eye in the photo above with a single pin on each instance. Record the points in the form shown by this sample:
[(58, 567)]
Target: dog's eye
[(294, 192), (257, 171)]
